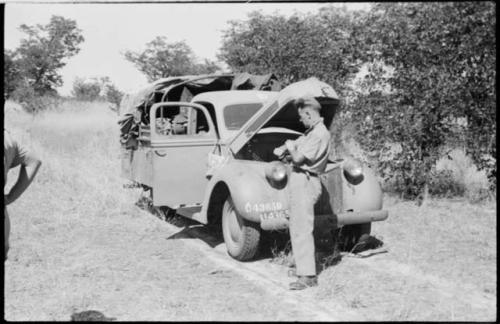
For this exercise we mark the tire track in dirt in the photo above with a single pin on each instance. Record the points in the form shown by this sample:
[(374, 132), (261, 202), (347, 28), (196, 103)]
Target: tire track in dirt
[(271, 277), (274, 278)]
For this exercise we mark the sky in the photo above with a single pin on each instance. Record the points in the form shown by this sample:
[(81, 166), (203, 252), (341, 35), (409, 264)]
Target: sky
[(112, 29)]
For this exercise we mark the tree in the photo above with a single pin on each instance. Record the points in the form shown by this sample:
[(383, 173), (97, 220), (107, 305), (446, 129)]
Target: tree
[(41, 55), (294, 48), (11, 76), (113, 95), (162, 59), (443, 55), (110, 92), (97, 89)]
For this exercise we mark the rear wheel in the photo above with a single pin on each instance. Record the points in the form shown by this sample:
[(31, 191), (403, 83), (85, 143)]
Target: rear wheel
[(240, 235)]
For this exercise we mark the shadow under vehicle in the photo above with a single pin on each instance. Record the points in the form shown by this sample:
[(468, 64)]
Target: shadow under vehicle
[(210, 157)]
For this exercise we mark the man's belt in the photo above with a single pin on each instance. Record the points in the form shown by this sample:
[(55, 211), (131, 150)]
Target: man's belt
[(309, 173)]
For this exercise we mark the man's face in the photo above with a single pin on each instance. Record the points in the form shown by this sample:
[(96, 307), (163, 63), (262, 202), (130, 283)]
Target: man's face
[(305, 117)]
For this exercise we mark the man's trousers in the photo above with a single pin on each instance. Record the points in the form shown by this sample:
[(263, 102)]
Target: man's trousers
[(305, 190)]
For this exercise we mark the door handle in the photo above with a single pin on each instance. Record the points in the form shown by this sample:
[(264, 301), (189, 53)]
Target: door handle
[(160, 153)]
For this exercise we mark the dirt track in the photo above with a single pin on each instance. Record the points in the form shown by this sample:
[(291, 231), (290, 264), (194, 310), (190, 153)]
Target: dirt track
[(273, 278), (135, 266)]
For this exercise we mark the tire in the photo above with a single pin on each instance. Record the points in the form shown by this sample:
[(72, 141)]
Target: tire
[(241, 236), (350, 235)]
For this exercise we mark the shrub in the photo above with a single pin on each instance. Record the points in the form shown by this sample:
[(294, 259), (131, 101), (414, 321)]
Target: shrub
[(23, 93), (113, 96), (443, 184), (86, 90), (26, 96), (42, 103), (476, 185), (456, 169)]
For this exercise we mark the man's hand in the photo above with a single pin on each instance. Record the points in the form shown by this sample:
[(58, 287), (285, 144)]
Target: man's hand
[(279, 151), (290, 145), (297, 157)]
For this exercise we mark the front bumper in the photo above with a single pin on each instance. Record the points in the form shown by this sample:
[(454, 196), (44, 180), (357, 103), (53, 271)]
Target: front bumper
[(361, 217), (346, 218)]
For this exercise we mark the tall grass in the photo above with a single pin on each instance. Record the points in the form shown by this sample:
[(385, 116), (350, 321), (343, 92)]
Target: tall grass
[(74, 205), (79, 149)]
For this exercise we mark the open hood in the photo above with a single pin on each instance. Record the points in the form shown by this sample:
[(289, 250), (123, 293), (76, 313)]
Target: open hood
[(280, 112)]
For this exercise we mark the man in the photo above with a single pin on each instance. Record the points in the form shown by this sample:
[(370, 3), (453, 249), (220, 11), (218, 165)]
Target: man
[(309, 156), (14, 155)]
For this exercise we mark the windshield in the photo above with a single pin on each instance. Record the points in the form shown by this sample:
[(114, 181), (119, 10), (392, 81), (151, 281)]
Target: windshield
[(237, 115)]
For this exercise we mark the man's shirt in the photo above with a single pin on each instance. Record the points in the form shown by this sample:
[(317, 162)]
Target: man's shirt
[(315, 146)]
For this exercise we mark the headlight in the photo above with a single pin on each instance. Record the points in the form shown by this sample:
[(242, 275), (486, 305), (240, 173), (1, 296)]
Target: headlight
[(276, 171), (353, 171)]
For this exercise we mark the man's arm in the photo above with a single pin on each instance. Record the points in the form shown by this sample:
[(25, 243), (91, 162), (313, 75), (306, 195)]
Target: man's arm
[(297, 157), (26, 175)]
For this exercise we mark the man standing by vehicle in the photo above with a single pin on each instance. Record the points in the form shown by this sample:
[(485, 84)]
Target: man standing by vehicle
[(309, 156), (14, 155)]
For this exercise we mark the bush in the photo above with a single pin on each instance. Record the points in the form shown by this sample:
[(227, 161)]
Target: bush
[(97, 89), (456, 173), (113, 96), (87, 90), (23, 93), (26, 96), (443, 184), (476, 185), (42, 103)]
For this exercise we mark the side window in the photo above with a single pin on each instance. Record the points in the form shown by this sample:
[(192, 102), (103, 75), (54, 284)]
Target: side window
[(181, 121)]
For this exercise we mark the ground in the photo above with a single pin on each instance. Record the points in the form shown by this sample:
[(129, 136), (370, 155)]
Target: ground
[(80, 243)]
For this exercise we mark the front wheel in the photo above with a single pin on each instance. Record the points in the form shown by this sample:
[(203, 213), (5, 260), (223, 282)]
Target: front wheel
[(240, 235)]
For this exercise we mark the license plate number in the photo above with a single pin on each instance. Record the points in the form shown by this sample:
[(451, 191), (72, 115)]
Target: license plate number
[(276, 214)]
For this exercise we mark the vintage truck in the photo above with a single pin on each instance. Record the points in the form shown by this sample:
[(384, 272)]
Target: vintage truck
[(215, 163)]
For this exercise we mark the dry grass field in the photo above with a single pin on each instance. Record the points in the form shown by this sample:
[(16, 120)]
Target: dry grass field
[(78, 242)]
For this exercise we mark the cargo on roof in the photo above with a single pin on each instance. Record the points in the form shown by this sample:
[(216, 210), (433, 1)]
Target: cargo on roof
[(134, 108)]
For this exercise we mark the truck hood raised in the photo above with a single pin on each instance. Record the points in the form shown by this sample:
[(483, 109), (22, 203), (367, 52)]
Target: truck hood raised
[(280, 112)]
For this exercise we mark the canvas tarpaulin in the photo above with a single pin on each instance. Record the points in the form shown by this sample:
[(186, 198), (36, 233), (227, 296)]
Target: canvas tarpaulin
[(134, 109)]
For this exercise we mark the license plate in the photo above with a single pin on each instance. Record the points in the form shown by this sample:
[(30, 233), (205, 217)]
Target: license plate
[(276, 214)]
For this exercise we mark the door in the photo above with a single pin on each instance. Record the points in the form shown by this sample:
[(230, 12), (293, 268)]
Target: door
[(182, 135)]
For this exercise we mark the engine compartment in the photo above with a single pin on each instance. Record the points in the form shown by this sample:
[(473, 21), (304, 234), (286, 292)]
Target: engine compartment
[(261, 146)]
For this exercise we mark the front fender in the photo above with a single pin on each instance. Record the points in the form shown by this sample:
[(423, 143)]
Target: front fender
[(252, 194), (365, 196)]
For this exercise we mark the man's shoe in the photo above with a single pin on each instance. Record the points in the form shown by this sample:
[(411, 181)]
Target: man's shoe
[(304, 282)]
